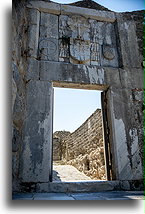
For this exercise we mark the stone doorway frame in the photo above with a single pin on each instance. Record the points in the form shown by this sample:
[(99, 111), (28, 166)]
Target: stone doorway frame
[(105, 127)]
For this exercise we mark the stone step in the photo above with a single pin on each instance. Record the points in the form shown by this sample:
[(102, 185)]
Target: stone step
[(81, 186)]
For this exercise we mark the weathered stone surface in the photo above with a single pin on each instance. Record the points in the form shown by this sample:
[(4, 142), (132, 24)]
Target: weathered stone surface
[(105, 195), (93, 14), (32, 72), (42, 187), (33, 16), (68, 72), (14, 92), (129, 46), (131, 79), (48, 26), (48, 49), (75, 27), (103, 38), (126, 136), (46, 7), (64, 50), (33, 40), (57, 144), (53, 196), (90, 186), (79, 52), (56, 149), (36, 150), (87, 40), (33, 32)]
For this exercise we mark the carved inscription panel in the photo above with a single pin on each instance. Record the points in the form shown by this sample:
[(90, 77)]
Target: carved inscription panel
[(48, 37), (48, 49), (76, 39)]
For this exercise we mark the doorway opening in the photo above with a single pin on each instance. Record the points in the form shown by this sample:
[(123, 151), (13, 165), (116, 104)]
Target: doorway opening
[(79, 152)]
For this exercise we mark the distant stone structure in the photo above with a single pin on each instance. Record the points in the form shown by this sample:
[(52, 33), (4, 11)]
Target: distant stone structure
[(83, 148), (58, 138), (76, 47)]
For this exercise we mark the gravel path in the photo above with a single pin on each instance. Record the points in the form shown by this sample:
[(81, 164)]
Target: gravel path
[(68, 173)]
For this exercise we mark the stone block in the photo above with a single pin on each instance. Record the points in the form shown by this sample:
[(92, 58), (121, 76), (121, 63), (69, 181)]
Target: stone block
[(125, 185), (96, 75), (36, 156), (74, 26), (128, 42), (137, 168), (48, 49), (33, 32), (33, 16), (52, 196), (79, 52), (131, 78), (16, 140), (112, 77), (42, 187), (32, 72), (48, 26), (88, 13), (15, 164), (46, 7), (95, 54), (33, 38), (22, 196), (91, 186), (103, 44), (73, 73), (64, 50)]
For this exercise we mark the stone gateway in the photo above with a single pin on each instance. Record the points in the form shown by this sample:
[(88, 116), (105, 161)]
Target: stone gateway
[(84, 46)]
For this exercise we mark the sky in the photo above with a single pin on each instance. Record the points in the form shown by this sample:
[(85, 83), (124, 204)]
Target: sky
[(72, 106), (115, 5)]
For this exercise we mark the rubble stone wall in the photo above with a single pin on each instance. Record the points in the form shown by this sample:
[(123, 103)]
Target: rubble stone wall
[(84, 147), (19, 38), (58, 138)]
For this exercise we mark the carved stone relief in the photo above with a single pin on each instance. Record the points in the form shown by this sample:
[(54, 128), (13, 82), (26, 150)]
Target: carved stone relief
[(76, 27), (96, 31), (48, 37), (79, 51), (77, 40), (103, 36), (95, 54), (48, 49), (108, 52), (64, 45)]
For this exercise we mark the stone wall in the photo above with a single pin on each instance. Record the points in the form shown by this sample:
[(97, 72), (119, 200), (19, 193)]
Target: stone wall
[(58, 137), (84, 147), (138, 18), (19, 63)]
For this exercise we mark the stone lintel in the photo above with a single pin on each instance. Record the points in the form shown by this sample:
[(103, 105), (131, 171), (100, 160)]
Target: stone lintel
[(89, 13), (54, 8), (47, 7)]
